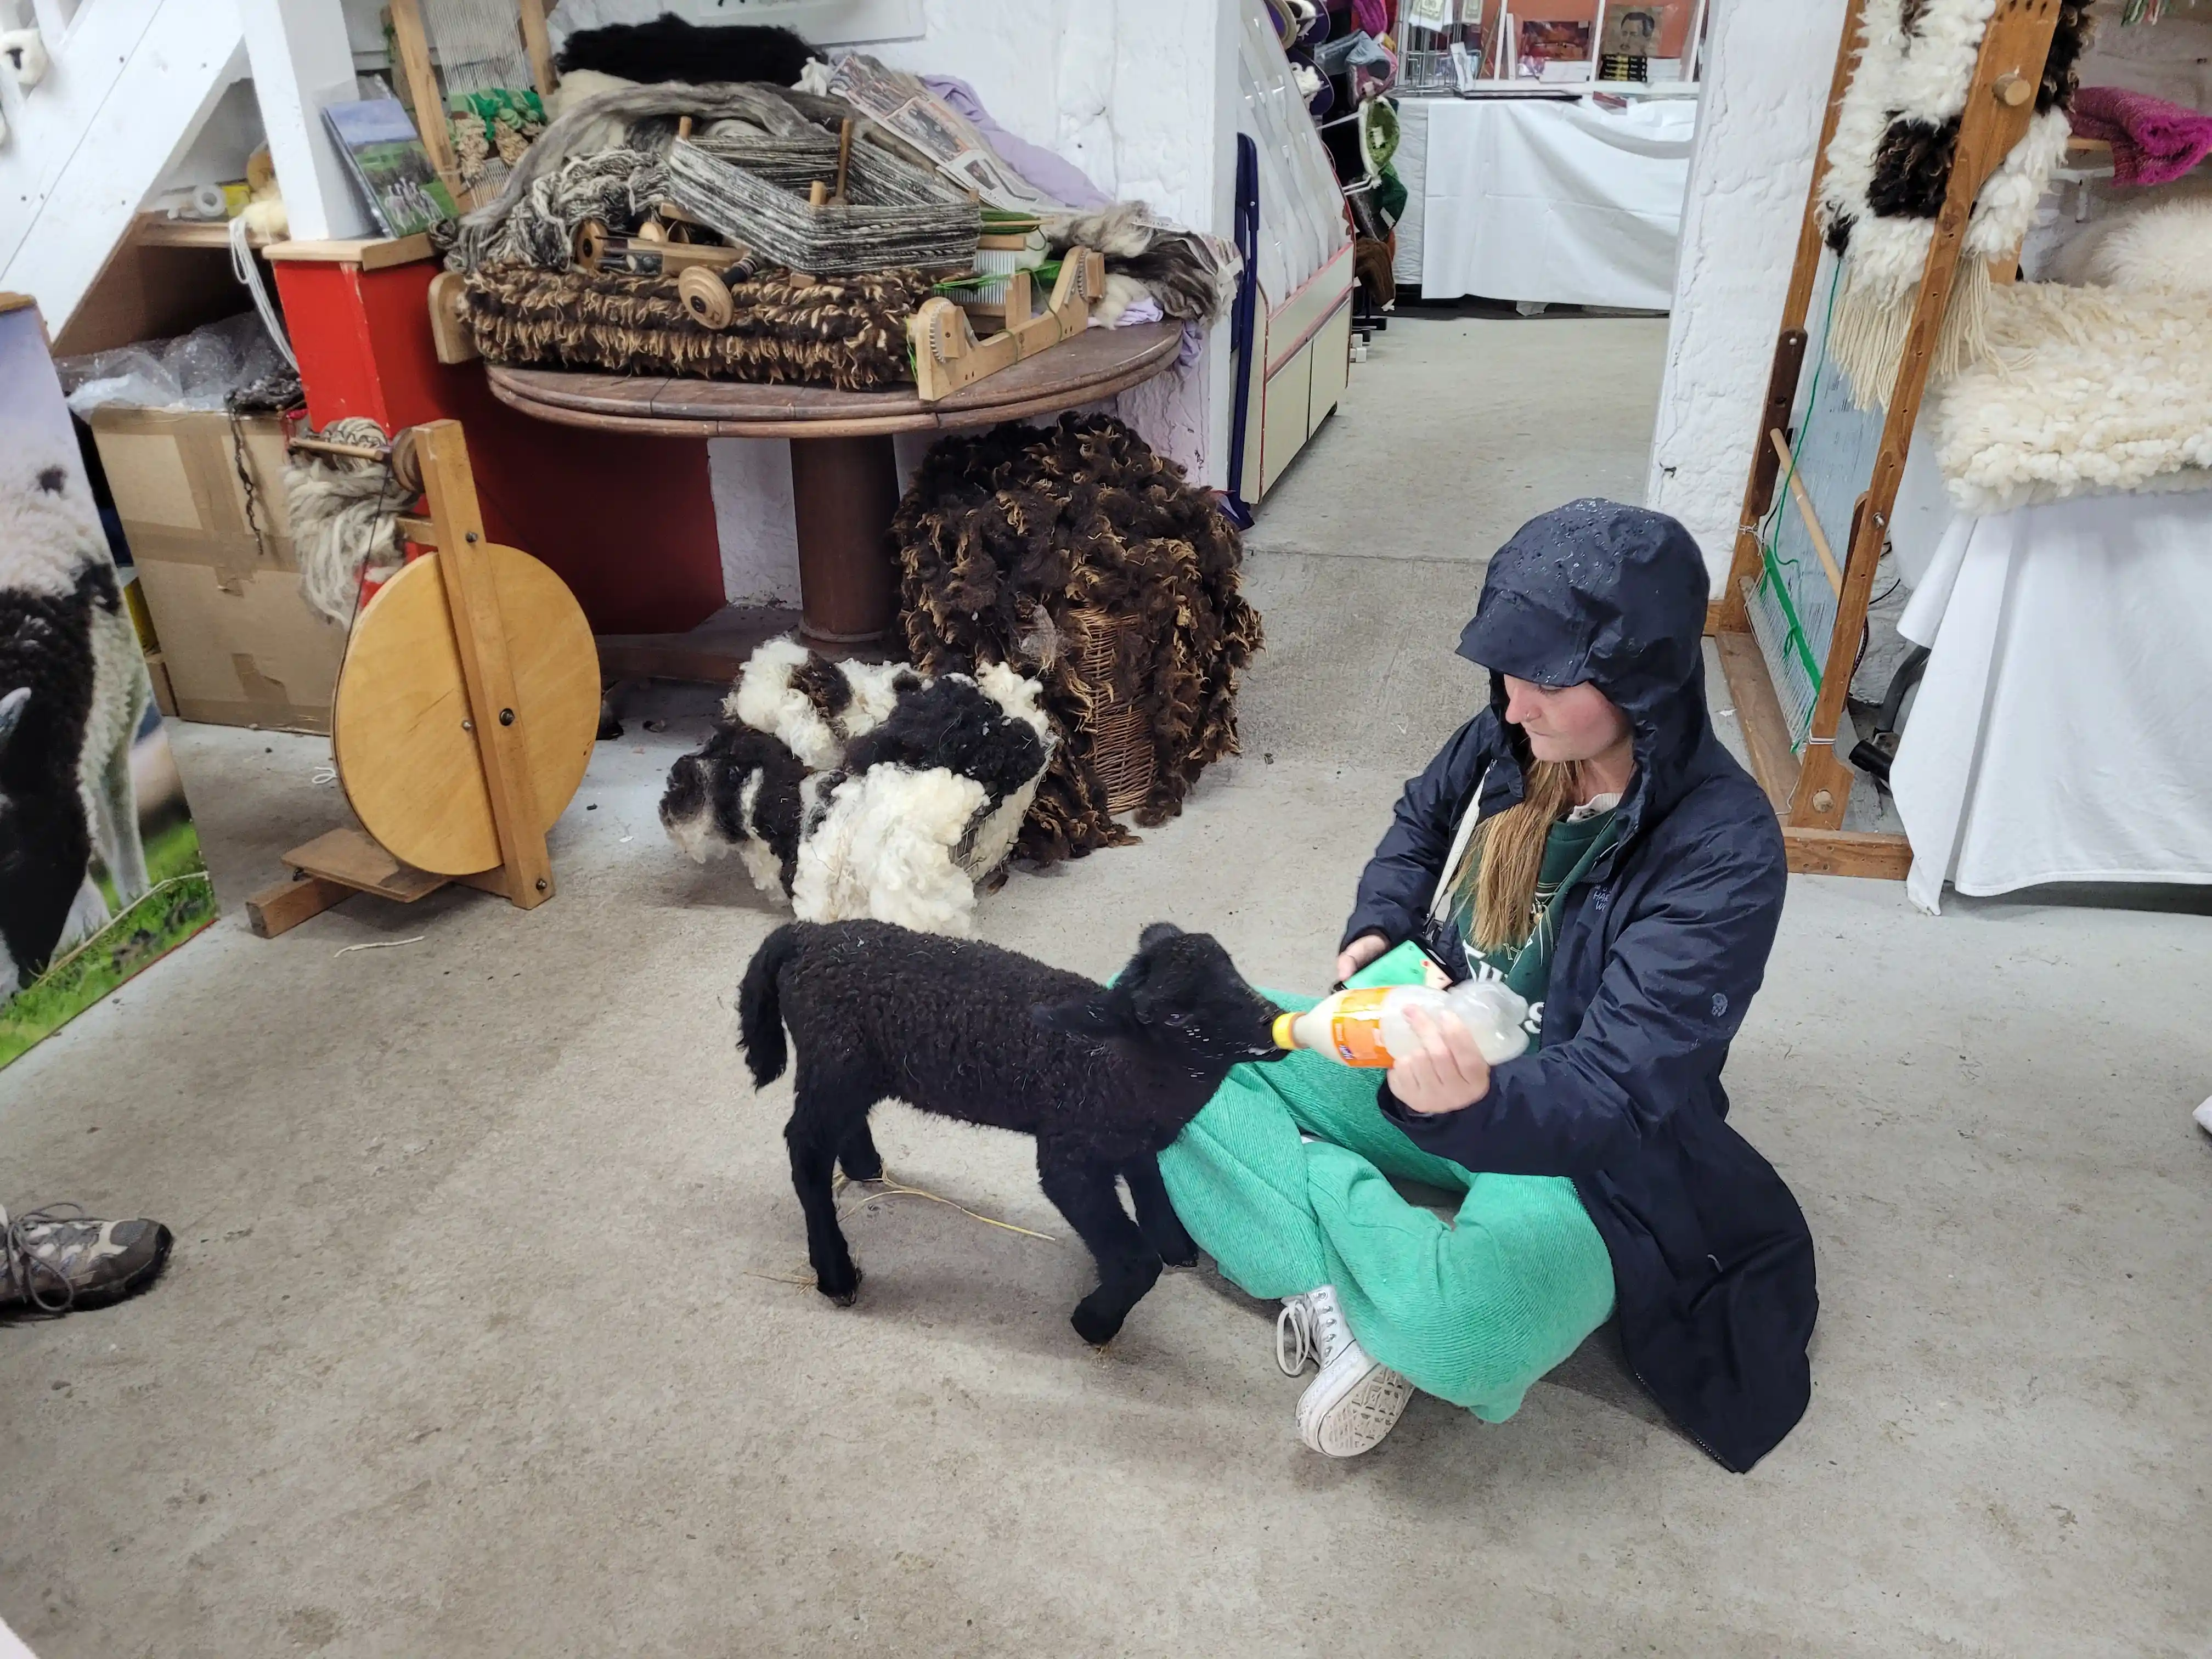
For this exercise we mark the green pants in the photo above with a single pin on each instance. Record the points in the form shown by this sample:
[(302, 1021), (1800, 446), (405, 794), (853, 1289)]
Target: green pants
[(1473, 1310)]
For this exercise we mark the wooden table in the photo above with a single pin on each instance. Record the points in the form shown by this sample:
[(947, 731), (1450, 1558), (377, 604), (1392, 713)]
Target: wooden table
[(843, 476)]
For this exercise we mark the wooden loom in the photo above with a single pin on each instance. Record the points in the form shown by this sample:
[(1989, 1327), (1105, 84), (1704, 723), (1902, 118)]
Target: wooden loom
[(1809, 792), (948, 355), (411, 45), (466, 709)]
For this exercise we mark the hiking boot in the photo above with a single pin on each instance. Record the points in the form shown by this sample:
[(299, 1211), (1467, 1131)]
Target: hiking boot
[(58, 1258), (1355, 1401)]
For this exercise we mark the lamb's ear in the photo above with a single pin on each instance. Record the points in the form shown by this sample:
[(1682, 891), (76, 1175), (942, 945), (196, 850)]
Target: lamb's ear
[(1090, 1017), (11, 713), (1158, 930)]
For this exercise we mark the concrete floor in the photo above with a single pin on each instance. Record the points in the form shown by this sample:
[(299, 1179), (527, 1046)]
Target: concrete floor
[(481, 1337)]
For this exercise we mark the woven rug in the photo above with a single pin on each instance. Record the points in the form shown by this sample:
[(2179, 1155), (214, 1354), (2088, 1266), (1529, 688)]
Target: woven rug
[(849, 332)]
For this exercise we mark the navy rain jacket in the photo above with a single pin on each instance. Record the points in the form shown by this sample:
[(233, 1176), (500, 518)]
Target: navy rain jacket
[(1659, 952)]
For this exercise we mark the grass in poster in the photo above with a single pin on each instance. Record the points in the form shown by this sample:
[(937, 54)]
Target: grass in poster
[(180, 902)]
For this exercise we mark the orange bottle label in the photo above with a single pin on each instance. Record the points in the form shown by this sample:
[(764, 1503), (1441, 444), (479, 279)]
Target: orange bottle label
[(1356, 1029)]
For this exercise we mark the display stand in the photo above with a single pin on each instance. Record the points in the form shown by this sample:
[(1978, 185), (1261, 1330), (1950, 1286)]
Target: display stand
[(1808, 786), (465, 714)]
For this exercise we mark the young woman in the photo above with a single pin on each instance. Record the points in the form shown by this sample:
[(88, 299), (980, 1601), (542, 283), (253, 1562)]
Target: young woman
[(1586, 837)]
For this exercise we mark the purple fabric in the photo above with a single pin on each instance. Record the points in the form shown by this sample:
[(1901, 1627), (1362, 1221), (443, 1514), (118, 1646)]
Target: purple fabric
[(2154, 141), (1061, 181)]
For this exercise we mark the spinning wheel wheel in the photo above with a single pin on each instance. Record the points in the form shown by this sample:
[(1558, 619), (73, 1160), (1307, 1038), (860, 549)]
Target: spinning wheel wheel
[(402, 729), (466, 710)]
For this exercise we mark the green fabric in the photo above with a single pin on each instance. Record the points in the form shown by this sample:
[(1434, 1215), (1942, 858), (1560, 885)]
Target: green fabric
[(1473, 1310), (1573, 846)]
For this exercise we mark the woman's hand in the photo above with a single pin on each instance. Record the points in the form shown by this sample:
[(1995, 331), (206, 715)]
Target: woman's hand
[(1357, 954), (1446, 1074)]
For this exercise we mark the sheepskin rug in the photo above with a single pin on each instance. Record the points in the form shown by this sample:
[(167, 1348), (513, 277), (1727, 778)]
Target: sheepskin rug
[(2093, 389)]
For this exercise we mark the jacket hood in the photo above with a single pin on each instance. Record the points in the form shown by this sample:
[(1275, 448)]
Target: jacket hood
[(1614, 595)]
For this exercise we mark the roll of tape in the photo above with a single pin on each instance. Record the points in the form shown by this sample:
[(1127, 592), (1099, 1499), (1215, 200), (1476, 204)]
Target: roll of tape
[(207, 202)]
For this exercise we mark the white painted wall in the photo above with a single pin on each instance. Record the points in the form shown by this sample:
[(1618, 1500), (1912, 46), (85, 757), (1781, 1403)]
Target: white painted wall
[(1765, 86), (1140, 94)]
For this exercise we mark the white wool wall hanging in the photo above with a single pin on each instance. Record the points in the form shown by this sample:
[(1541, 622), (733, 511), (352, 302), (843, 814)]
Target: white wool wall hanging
[(1889, 168)]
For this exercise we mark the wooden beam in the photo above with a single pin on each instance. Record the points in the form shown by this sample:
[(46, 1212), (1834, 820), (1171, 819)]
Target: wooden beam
[(413, 44), (481, 636), (1803, 498), (539, 46), (1758, 714), (1871, 853), (369, 252), (356, 861), (282, 906), (299, 54)]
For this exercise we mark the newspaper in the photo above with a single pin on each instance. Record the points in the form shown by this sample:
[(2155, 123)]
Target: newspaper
[(906, 107)]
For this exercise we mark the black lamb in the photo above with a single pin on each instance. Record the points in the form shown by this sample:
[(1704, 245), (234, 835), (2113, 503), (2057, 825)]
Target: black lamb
[(1104, 1076)]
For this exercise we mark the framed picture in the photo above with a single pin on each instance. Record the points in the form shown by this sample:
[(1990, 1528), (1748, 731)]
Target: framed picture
[(1553, 40), (1632, 31)]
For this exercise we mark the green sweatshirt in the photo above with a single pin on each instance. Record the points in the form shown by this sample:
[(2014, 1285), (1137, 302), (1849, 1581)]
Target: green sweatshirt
[(1576, 843)]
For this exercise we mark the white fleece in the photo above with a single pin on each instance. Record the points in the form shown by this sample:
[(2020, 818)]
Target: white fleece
[(2086, 390), (884, 849), (764, 699)]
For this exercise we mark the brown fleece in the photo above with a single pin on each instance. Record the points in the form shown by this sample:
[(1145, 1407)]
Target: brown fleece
[(845, 332), (1068, 520)]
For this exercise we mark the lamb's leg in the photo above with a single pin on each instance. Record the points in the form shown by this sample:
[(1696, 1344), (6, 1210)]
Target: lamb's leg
[(857, 1156), (818, 1120), (1156, 1217), (121, 847), (1086, 1194)]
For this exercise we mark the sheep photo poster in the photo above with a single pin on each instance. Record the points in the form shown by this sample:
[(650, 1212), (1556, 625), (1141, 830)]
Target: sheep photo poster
[(101, 869)]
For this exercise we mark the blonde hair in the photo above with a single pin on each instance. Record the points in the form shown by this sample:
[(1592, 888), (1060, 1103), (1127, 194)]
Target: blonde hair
[(1510, 848)]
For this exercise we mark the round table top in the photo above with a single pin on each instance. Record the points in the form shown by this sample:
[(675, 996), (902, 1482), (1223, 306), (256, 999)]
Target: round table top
[(1096, 364)]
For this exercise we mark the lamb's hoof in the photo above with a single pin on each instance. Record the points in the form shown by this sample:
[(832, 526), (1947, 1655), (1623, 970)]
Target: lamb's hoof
[(844, 1294), (863, 1171), (1097, 1326), (1175, 1247)]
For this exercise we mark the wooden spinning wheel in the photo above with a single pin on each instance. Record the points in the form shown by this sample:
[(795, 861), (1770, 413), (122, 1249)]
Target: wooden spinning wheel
[(466, 709)]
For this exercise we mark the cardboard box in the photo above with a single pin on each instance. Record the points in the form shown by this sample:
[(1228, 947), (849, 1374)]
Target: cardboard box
[(240, 646)]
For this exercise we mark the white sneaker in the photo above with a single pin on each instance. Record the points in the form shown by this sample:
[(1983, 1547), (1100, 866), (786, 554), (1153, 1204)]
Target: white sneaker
[(1355, 1401)]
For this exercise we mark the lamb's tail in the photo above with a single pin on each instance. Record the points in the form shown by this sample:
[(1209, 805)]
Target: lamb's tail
[(760, 1009)]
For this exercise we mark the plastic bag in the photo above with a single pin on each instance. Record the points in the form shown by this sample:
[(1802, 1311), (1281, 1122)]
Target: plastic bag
[(194, 371)]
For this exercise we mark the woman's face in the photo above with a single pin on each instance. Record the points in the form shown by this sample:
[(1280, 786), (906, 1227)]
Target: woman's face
[(1567, 722)]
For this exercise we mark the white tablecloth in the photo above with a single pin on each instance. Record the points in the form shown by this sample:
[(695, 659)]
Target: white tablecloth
[(1561, 202), (2059, 734)]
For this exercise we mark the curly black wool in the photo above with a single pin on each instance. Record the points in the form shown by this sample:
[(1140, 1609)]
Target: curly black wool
[(1013, 540)]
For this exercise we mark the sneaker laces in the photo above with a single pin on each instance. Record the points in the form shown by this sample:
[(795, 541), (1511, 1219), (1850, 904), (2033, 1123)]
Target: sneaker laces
[(22, 1261), (1309, 1328)]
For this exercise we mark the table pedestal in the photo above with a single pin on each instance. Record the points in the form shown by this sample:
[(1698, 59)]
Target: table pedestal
[(843, 493)]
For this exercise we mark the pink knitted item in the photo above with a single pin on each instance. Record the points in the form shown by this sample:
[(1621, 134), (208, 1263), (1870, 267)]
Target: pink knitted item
[(2154, 141)]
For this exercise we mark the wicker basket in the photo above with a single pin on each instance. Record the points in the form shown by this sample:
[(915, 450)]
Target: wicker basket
[(1120, 741)]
